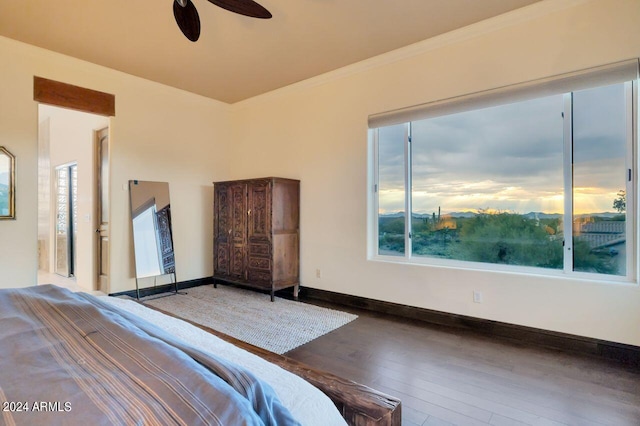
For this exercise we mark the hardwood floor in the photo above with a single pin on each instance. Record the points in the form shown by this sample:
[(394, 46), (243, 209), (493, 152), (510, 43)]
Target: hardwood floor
[(448, 376)]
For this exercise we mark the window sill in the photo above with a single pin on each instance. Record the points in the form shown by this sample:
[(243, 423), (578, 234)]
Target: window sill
[(505, 269)]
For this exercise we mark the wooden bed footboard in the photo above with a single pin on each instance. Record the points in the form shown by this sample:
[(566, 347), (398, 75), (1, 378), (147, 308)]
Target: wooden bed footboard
[(360, 405)]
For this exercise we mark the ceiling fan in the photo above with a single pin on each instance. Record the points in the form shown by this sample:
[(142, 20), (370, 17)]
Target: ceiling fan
[(189, 21)]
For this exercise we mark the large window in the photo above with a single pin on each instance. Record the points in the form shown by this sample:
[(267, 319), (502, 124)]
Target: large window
[(542, 183)]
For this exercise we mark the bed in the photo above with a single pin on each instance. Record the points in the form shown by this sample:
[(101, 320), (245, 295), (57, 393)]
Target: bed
[(68, 358)]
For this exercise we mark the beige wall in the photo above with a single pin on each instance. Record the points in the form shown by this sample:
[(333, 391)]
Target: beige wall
[(144, 191), (159, 134), (316, 131)]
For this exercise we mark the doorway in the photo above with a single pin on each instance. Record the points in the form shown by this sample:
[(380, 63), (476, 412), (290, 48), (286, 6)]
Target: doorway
[(68, 197), (83, 106)]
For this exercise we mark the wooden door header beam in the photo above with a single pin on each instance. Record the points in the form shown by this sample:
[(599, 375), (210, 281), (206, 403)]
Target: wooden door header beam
[(73, 97)]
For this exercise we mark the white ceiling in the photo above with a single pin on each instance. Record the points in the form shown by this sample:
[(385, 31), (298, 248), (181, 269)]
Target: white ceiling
[(236, 57)]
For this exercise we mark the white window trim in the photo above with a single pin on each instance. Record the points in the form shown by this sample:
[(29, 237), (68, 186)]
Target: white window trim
[(567, 168), (632, 102), (408, 191), (632, 228)]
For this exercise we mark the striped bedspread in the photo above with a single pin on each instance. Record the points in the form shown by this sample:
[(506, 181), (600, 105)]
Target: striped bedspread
[(68, 358)]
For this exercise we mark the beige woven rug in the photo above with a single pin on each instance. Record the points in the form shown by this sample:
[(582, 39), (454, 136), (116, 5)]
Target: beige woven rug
[(250, 316)]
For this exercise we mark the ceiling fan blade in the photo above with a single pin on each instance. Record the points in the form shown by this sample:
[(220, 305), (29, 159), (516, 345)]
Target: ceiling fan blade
[(187, 19), (244, 7)]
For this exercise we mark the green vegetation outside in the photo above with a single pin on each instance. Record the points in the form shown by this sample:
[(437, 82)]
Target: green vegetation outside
[(500, 238)]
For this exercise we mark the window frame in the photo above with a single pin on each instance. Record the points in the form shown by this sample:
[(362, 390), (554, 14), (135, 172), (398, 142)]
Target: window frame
[(632, 231)]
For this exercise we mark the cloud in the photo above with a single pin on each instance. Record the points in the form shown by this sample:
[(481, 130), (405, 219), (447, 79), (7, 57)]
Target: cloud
[(510, 157)]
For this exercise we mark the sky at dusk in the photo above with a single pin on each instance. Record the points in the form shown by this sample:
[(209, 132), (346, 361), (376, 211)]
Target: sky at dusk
[(510, 157)]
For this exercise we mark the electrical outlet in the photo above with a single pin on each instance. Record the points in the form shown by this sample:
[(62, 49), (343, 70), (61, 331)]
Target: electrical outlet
[(477, 296), (318, 273)]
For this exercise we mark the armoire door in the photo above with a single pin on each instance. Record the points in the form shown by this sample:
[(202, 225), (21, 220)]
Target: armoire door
[(238, 231), (259, 232), (259, 211), (222, 230)]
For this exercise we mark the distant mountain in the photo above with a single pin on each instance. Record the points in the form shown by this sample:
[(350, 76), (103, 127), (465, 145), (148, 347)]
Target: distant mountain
[(603, 214), (541, 215), (396, 214), (423, 215), (530, 215), (452, 214), (461, 214)]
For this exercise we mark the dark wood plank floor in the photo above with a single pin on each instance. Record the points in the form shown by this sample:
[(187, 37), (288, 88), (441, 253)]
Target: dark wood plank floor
[(448, 376)]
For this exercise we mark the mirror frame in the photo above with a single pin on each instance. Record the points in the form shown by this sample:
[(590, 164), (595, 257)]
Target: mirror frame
[(11, 196)]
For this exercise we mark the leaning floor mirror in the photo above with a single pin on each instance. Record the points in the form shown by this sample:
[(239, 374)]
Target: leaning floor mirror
[(152, 233)]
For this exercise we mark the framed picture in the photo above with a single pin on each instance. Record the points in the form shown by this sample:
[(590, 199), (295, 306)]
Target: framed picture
[(7, 184)]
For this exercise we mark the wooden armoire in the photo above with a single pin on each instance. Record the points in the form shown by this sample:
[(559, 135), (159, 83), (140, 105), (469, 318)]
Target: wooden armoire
[(257, 233)]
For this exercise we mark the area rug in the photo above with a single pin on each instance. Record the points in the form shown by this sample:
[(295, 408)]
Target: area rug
[(250, 316)]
